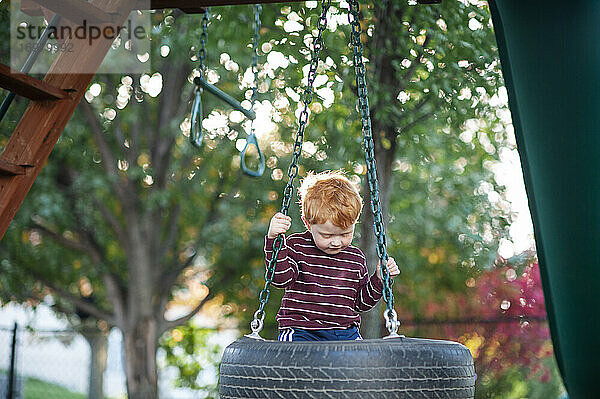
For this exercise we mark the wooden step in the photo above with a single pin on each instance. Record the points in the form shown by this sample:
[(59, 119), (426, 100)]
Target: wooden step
[(8, 168), (27, 86)]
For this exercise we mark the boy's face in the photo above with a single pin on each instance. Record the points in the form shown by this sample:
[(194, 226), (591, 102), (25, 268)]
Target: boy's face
[(330, 238)]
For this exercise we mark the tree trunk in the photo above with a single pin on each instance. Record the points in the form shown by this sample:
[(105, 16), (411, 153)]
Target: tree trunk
[(371, 324), (372, 321), (98, 341), (383, 71), (140, 344)]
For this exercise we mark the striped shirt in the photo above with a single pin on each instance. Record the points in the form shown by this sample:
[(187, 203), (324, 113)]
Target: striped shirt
[(322, 291)]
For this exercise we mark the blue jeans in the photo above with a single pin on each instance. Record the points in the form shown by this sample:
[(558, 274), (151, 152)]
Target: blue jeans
[(298, 334)]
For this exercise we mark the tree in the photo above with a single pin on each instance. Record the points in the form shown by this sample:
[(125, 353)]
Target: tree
[(124, 206)]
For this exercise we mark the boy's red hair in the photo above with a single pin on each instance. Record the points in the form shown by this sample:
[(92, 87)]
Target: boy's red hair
[(329, 196)]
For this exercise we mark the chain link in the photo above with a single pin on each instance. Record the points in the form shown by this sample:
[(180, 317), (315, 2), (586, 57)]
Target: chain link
[(196, 131), (203, 37), (255, 42), (365, 117), (293, 168), (251, 139)]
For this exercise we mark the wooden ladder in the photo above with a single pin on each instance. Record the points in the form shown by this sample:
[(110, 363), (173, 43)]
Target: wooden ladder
[(53, 101)]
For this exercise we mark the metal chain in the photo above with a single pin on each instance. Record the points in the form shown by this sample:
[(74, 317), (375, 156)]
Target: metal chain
[(203, 37), (259, 315), (196, 131), (255, 42), (365, 117), (251, 139)]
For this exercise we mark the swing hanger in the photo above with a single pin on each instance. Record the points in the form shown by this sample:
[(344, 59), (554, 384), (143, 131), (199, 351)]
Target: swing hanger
[(360, 70), (251, 139), (391, 318), (257, 323), (197, 131), (201, 84)]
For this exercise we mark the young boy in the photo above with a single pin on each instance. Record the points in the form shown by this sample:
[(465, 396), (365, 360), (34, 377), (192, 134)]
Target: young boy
[(326, 280)]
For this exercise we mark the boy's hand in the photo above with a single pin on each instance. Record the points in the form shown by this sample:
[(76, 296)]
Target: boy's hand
[(280, 223), (391, 266)]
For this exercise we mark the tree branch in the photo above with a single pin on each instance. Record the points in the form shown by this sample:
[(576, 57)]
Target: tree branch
[(59, 238), (172, 231), (110, 164), (170, 276), (184, 107), (420, 105), (90, 114), (83, 305), (112, 221), (115, 293), (118, 132), (89, 236), (175, 79), (413, 67), (56, 307), (416, 122), (120, 135), (167, 325), (134, 144)]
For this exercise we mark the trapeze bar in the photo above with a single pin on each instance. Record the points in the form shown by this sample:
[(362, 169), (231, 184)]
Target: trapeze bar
[(225, 97)]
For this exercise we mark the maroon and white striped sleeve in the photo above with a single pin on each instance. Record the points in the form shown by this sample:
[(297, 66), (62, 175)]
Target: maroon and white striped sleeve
[(370, 290), (286, 269)]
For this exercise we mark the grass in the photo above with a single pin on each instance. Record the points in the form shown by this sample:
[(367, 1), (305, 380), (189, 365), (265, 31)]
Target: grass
[(38, 389), (34, 388)]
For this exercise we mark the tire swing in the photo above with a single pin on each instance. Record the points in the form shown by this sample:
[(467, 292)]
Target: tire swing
[(391, 367)]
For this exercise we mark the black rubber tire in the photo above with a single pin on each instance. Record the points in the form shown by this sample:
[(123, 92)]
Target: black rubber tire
[(370, 369)]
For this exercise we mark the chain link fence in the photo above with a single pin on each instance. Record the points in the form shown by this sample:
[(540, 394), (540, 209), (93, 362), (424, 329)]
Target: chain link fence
[(56, 364), (59, 364)]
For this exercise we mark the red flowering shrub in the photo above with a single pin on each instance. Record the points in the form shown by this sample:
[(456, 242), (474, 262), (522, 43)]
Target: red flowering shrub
[(501, 318), (514, 331)]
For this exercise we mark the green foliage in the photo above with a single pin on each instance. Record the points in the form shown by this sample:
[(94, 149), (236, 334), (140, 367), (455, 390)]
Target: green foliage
[(5, 33), (516, 383), (194, 351)]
